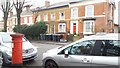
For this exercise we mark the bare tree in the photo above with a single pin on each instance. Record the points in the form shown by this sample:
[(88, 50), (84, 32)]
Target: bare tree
[(6, 7), (36, 17), (18, 4)]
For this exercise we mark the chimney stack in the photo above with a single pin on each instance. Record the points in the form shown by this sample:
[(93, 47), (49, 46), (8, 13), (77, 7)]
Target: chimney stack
[(47, 3), (27, 7)]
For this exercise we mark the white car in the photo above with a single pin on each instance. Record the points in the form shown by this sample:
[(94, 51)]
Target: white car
[(29, 51), (92, 51)]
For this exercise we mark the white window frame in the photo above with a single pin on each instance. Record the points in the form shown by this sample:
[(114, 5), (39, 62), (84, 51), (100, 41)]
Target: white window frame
[(13, 20), (87, 10), (38, 18), (91, 27), (74, 14), (53, 17), (30, 20), (63, 29), (47, 28), (45, 17), (25, 20), (62, 17)]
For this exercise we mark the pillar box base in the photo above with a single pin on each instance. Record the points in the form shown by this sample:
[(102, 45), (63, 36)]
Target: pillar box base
[(17, 65)]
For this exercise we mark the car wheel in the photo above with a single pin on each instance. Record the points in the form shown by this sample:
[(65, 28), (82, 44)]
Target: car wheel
[(50, 64), (3, 61)]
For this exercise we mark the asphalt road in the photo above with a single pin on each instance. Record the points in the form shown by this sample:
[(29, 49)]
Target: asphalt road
[(42, 47)]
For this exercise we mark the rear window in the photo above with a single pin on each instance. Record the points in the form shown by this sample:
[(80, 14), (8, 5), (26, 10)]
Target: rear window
[(6, 38), (111, 48)]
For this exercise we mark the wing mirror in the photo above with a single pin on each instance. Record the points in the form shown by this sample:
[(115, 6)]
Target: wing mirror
[(66, 53)]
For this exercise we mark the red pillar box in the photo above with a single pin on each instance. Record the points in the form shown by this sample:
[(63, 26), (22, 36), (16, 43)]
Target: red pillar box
[(17, 49)]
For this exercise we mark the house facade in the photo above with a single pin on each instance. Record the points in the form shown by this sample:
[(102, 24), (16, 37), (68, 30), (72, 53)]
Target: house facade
[(56, 16), (1, 25), (26, 18), (90, 17), (84, 16)]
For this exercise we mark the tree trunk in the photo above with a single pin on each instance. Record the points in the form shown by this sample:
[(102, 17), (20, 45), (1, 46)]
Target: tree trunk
[(5, 21), (18, 20)]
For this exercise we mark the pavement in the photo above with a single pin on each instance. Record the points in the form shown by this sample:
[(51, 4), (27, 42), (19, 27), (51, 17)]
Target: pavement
[(51, 42)]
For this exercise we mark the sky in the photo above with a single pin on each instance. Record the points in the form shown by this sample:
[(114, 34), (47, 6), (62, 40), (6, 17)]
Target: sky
[(37, 3), (42, 3)]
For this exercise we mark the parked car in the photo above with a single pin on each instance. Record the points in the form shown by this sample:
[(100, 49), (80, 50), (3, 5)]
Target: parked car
[(0, 59), (29, 51), (91, 51)]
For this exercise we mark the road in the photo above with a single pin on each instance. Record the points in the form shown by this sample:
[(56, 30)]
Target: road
[(42, 47)]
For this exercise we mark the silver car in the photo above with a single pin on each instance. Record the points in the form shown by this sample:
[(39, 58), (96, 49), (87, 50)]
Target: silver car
[(29, 50), (92, 51)]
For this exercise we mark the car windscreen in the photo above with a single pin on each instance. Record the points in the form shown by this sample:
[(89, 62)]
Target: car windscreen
[(6, 38)]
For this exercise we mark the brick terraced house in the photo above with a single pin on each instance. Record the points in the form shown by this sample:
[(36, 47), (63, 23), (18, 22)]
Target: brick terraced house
[(56, 16), (84, 17), (26, 18), (77, 16)]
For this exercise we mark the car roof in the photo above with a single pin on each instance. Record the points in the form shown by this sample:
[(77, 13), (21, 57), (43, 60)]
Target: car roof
[(107, 36), (6, 33)]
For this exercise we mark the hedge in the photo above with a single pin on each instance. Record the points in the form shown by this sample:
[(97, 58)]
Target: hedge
[(32, 31)]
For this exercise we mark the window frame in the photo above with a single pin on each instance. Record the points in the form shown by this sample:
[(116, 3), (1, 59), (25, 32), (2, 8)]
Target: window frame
[(87, 9), (74, 14), (25, 20), (38, 18), (62, 51), (91, 29), (53, 16), (62, 17), (30, 20), (63, 28), (109, 48), (45, 17)]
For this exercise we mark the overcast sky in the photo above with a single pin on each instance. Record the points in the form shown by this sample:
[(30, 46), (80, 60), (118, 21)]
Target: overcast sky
[(42, 3)]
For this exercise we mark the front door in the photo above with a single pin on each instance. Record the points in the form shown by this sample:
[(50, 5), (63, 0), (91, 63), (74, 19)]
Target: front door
[(74, 27), (79, 55)]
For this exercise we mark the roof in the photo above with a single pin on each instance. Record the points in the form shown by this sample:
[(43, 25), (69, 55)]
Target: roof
[(6, 33), (56, 5), (105, 36), (24, 13)]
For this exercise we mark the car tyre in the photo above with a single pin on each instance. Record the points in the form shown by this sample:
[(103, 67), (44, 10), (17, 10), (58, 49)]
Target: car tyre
[(50, 64), (3, 62)]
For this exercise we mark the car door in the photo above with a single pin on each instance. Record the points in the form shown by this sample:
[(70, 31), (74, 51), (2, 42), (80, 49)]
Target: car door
[(79, 54), (109, 52)]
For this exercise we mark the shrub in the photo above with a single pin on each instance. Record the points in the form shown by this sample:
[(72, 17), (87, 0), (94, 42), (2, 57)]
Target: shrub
[(32, 31), (22, 28)]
